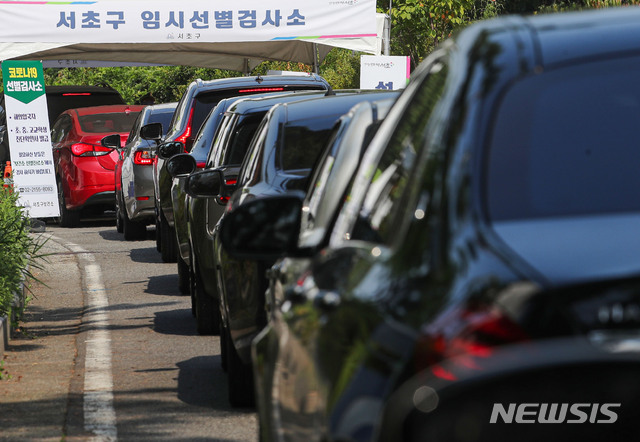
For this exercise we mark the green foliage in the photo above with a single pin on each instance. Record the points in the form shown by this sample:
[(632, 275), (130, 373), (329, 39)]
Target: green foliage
[(18, 248)]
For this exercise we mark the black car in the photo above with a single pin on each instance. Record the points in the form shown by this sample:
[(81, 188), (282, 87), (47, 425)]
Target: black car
[(194, 106), (489, 285), (195, 217), (285, 148)]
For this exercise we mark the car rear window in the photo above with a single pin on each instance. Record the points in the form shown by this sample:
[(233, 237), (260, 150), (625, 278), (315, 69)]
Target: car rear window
[(565, 143), (58, 103), (108, 123)]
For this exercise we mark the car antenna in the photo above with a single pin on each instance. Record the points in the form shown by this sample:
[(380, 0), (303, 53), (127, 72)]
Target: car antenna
[(259, 79)]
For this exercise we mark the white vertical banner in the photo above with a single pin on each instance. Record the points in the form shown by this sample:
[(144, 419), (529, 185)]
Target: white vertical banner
[(29, 138), (388, 72)]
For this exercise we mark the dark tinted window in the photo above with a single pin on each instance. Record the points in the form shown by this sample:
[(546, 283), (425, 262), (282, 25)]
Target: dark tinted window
[(58, 103), (241, 137), (566, 143), (303, 142), (107, 123)]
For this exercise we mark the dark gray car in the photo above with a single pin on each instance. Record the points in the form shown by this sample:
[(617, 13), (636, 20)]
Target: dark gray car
[(134, 174)]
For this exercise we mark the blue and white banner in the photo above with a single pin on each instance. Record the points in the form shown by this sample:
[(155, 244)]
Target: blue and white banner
[(169, 21)]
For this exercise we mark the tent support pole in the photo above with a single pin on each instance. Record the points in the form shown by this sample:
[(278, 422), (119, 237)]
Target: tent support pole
[(246, 67), (315, 58)]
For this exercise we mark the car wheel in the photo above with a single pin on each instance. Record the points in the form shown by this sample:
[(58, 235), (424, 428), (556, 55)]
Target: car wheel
[(207, 322), (184, 276), (223, 348), (119, 224), (240, 376), (168, 241), (158, 237), (68, 218), (133, 230)]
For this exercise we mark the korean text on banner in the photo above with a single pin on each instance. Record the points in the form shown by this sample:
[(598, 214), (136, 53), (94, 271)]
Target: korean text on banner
[(167, 21), (29, 140), (388, 72)]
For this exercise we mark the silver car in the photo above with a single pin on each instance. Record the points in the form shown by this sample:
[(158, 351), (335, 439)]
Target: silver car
[(134, 175)]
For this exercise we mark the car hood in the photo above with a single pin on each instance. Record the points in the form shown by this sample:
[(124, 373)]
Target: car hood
[(576, 249)]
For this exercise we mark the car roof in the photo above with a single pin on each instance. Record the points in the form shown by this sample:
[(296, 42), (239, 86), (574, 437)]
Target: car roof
[(311, 108), (259, 103), (259, 81), (107, 109), (53, 90), (162, 107)]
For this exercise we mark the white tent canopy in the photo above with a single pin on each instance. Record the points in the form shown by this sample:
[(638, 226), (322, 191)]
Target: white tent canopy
[(193, 33)]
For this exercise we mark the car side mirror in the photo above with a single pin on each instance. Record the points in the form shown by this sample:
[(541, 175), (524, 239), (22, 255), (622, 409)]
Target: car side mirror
[(111, 142), (263, 229), (181, 164), (208, 183), (167, 150), (151, 132)]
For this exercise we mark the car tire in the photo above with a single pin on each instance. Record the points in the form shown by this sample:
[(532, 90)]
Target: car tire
[(133, 230), (158, 237), (68, 218), (184, 276), (207, 318), (119, 223), (168, 242), (223, 349), (240, 378)]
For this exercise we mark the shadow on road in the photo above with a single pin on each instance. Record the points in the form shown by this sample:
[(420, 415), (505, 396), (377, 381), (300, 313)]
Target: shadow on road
[(146, 255), (166, 285), (175, 322)]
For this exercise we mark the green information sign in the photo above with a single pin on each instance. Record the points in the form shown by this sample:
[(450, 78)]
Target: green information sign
[(23, 80), (29, 139)]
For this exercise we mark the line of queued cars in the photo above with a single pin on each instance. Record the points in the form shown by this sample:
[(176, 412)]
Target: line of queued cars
[(453, 263)]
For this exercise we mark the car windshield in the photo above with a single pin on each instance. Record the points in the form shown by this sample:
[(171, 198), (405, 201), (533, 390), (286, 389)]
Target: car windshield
[(108, 123), (565, 143)]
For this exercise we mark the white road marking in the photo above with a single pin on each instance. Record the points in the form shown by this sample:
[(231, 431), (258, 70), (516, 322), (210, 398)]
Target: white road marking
[(99, 414)]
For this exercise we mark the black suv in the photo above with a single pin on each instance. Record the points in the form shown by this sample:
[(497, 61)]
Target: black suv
[(193, 108), (59, 99)]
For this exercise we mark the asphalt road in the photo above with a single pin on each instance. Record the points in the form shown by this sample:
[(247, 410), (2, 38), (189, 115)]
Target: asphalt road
[(139, 370)]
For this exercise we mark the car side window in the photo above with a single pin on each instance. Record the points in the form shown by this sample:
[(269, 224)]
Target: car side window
[(60, 129), (382, 205), (250, 169), (135, 130)]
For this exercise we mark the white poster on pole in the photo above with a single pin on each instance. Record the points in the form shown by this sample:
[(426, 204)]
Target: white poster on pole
[(390, 72), (29, 138)]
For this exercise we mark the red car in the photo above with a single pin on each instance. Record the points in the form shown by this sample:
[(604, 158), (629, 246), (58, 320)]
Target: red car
[(84, 168)]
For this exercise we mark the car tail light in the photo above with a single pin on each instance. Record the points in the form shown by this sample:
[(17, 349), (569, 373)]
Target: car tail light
[(201, 164), (261, 89), (74, 94), (465, 336), (143, 157), (89, 150), (187, 131), (142, 198)]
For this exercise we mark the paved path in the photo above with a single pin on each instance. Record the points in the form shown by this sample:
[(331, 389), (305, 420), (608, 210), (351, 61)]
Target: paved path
[(39, 392)]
